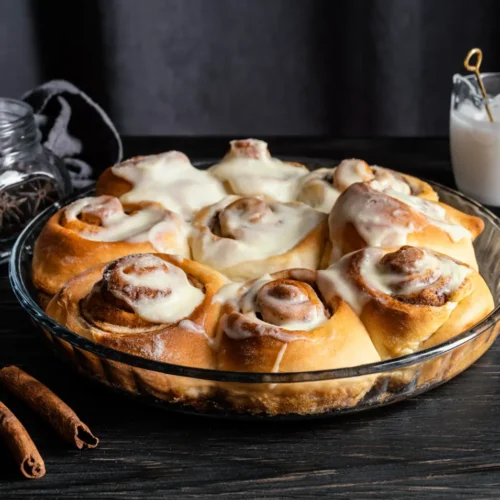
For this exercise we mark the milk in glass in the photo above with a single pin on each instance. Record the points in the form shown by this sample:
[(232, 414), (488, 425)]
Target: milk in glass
[(475, 141)]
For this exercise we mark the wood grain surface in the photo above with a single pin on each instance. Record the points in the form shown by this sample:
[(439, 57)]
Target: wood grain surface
[(442, 444)]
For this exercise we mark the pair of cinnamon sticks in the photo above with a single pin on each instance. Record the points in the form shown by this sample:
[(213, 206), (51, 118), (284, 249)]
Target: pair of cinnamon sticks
[(51, 408)]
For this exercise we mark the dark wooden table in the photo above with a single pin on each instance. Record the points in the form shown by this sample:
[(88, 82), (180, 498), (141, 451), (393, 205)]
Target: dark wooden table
[(443, 444)]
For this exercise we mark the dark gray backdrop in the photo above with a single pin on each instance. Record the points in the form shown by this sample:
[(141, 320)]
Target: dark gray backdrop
[(252, 67)]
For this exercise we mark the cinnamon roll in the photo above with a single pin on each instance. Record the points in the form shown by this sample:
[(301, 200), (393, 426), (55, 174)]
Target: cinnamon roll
[(410, 298), (321, 188), (168, 179), (94, 230), (245, 237), (283, 323), (363, 216), (156, 306), (248, 169)]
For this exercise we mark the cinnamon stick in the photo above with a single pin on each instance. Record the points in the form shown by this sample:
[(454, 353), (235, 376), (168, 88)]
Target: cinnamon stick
[(20, 444), (49, 406)]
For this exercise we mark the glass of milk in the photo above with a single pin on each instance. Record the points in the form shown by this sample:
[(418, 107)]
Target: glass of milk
[(474, 140)]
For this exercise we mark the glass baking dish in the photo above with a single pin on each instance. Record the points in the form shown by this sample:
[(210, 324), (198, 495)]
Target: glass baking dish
[(240, 394)]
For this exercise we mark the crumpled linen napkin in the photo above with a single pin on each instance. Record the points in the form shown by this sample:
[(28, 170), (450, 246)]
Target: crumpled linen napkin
[(76, 129)]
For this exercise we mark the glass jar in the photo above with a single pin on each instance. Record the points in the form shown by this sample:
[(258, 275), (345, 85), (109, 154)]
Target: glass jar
[(474, 140), (31, 176)]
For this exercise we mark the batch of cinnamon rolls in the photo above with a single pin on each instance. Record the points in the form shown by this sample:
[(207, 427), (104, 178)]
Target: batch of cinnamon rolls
[(258, 265)]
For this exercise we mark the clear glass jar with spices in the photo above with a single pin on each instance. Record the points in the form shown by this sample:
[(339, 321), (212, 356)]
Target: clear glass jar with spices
[(31, 176)]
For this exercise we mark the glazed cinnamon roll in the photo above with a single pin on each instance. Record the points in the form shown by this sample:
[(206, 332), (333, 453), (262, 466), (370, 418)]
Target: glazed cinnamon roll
[(168, 179), (245, 237), (156, 306), (408, 299), (248, 169), (94, 230), (283, 323), (321, 188), (363, 216)]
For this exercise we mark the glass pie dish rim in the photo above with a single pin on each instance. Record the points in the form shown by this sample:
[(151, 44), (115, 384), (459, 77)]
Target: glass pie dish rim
[(30, 305)]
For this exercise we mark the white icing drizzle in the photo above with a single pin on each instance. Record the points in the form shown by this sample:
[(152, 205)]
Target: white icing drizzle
[(174, 297), (369, 213), (280, 229), (147, 224), (435, 213), (387, 179), (336, 281), (323, 200), (187, 324), (193, 327), (440, 266), (228, 293), (238, 332), (248, 293), (250, 170), (279, 359), (170, 236), (316, 316), (116, 224), (277, 363), (320, 193), (242, 297), (171, 180), (350, 171), (375, 217)]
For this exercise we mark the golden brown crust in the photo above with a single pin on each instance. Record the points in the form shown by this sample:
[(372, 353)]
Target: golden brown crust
[(60, 252), (250, 344), (473, 224), (187, 342), (110, 184), (321, 187), (476, 306), (420, 188), (388, 212), (307, 253), (422, 309), (397, 325), (109, 322)]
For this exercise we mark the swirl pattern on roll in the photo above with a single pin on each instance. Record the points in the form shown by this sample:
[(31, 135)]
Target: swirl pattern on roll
[(155, 290), (239, 230), (406, 296), (94, 230), (274, 306), (153, 305), (261, 223), (103, 218), (322, 187), (283, 322), (411, 275), (363, 216), (249, 169)]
